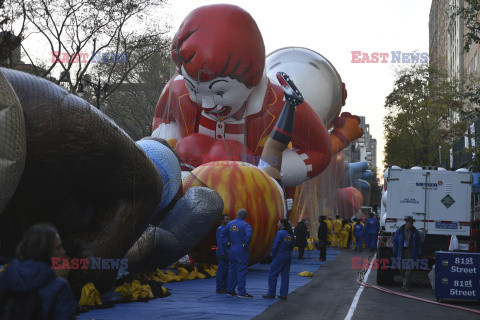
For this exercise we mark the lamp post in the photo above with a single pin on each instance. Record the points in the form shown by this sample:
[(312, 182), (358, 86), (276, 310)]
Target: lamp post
[(97, 87), (440, 155), (65, 77)]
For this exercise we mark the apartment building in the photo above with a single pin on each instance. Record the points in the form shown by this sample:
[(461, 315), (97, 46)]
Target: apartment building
[(364, 148)]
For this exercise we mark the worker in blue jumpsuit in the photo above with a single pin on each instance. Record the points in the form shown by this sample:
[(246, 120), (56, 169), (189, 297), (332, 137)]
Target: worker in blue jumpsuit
[(223, 255), (238, 235), (358, 234), (282, 257), (371, 232)]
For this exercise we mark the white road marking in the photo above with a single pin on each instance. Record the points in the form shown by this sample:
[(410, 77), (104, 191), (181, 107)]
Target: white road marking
[(359, 292)]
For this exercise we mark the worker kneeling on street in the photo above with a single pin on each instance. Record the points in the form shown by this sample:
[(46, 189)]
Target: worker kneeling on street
[(238, 236), (407, 245), (282, 258)]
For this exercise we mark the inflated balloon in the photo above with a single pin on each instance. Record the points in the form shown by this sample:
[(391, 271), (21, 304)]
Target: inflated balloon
[(362, 184), (101, 190), (349, 201), (313, 195), (178, 232), (222, 106), (330, 179), (83, 174), (200, 149), (367, 175), (241, 185), (12, 140), (355, 171), (166, 163), (314, 75), (222, 92)]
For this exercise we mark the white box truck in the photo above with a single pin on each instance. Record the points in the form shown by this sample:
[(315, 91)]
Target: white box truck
[(437, 199)]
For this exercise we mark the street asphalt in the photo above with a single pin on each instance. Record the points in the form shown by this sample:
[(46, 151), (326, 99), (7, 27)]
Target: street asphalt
[(333, 289)]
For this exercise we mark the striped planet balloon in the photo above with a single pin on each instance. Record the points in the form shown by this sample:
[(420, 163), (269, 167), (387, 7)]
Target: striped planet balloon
[(240, 185)]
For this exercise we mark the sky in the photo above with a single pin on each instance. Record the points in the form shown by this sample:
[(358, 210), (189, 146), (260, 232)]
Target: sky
[(335, 29)]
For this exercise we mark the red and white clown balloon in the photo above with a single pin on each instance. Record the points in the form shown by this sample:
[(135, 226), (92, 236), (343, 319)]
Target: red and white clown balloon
[(222, 106)]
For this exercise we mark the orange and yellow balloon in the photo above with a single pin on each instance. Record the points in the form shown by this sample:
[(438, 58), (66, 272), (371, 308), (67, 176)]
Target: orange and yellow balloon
[(241, 185)]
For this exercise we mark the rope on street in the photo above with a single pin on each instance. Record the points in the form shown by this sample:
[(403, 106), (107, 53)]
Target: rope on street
[(361, 276)]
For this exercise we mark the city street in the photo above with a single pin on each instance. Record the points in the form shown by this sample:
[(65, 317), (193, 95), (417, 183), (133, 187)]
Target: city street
[(331, 295), (168, 159)]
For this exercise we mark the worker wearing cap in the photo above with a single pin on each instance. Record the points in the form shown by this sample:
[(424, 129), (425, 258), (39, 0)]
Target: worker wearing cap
[(407, 245), (238, 235), (358, 235), (223, 255), (371, 232)]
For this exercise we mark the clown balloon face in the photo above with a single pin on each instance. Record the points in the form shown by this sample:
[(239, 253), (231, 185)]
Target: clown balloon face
[(221, 97)]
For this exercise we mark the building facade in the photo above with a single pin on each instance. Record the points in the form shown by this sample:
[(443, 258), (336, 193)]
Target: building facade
[(437, 26), (364, 148), (446, 50)]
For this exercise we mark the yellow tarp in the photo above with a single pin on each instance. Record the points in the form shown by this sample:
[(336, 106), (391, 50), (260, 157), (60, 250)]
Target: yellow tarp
[(133, 291), (89, 296), (306, 274), (174, 277), (183, 274), (212, 271)]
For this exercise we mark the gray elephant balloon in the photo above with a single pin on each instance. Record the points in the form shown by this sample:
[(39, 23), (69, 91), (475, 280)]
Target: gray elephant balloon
[(67, 163)]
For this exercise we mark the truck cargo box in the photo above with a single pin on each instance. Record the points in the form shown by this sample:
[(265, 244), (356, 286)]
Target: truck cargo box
[(438, 200)]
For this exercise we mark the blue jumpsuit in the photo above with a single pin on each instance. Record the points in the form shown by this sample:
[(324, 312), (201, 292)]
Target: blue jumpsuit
[(239, 234), (371, 231), (282, 257), (223, 253), (358, 234)]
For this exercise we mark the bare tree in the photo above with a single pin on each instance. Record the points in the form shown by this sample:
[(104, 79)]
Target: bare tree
[(10, 39), (84, 33), (133, 104)]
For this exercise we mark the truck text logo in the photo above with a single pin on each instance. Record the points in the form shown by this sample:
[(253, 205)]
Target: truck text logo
[(430, 185), (409, 200)]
